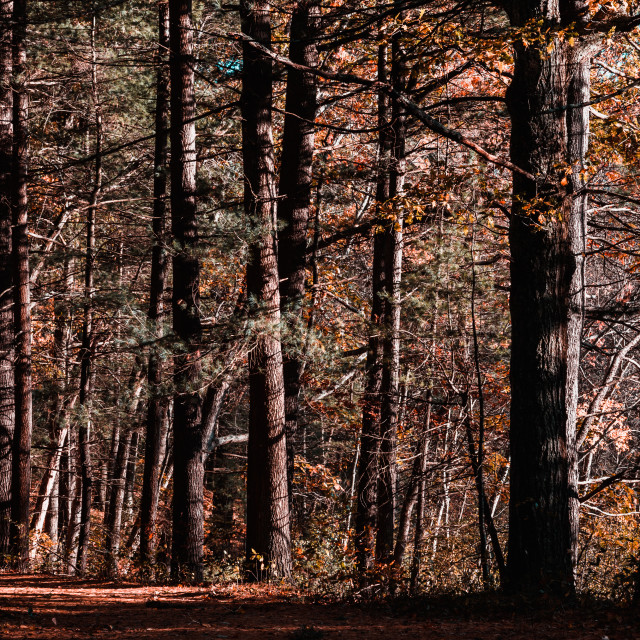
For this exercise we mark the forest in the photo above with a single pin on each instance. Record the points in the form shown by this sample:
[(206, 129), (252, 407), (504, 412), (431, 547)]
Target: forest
[(321, 295)]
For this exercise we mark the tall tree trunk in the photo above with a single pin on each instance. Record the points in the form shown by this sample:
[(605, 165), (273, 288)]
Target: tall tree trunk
[(546, 235), (294, 199), (157, 408), (7, 412), (368, 467), (268, 543), (21, 463), (188, 514), (579, 93), (86, 471), (390, 382)]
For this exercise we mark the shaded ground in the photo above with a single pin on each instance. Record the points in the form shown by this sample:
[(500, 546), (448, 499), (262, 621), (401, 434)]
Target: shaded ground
[(56, 608)]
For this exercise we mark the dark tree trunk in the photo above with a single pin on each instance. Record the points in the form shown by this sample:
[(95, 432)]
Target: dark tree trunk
[(188, 478), (390, 382), (86, 471), (293, 207), (157, 409), (546, 232), (368, 467), (21, 463), (7, 411), (268, 543)]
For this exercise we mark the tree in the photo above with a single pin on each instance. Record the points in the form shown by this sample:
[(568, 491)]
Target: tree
[(21, 455), (86, 355), (268, 543), (188, 476), (157, 408), (369, 466), (7, 413), (294, 199), (547, 101)]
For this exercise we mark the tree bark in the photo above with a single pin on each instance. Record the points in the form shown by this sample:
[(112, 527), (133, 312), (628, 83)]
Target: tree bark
[(548, 140), (390, 381), (7, 411), (268, 543), (188, 478), (86, 471), (157, 408), (21, 463), (368, 467), (294, 199)]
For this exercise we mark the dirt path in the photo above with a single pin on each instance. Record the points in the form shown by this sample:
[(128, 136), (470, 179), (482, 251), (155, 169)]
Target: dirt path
[(55, 608)]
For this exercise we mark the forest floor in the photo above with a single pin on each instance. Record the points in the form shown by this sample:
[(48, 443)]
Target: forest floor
[(56, 608)]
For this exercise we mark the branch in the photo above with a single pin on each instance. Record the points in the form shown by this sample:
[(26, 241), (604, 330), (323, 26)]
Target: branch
[(411, 107), (607, 386), (603, 485), (222, 440)]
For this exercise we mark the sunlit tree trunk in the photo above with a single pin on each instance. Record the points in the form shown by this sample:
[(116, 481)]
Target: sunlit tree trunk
[(7, 413), (390, 382), (268, 543), (116, 502), (21, 463)]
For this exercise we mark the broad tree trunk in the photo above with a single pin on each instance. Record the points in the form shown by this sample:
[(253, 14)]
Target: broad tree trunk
[(546, 233), (268, 543), (7, 412), (294, 199), (157, 408), (188, 514), (21, 463)]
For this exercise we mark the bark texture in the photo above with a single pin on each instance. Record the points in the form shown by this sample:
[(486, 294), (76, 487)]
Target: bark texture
[(86, 470), (368, 466), (293, 206), (268, 544), (188, 477), (390, 382), (158, 405), (7, 414), (21, 463), (549, 129)]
